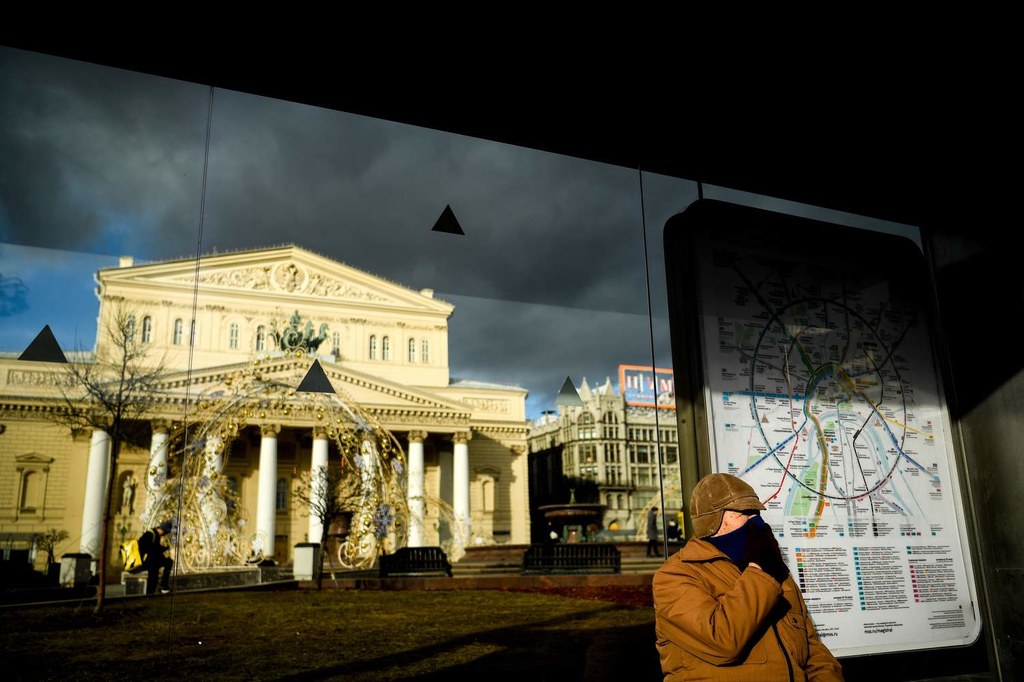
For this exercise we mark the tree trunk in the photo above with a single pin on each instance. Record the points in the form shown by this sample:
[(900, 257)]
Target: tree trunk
[(101, 587), (320, 561)]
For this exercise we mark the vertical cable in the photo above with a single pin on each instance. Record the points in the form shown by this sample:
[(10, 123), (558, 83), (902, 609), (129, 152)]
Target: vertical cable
[(654, 373), (191, 353)]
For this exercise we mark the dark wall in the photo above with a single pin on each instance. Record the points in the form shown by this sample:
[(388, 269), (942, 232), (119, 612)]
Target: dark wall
[(980, 286)]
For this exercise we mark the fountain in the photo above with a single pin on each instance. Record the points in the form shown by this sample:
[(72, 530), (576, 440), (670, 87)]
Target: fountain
[(574, 521)]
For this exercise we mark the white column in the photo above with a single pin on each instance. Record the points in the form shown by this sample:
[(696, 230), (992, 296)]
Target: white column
[(519, 495), (316, 528), (417, 505), (266, 500), (95, 491), (460, 485), (212, 505), (156, 474)]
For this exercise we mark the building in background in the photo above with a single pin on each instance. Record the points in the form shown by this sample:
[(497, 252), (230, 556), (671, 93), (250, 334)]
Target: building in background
[(384, 345), (615, 439)]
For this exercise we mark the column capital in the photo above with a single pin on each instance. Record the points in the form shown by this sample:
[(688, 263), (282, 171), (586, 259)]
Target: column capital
[(417, 436), (462, 437), (270, 430), (161, 426), (320, 433), (517, 449)]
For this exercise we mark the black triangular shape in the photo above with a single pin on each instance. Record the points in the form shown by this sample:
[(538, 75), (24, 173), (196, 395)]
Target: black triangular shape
[(44, 348), (316, 380), (569, 396), (448, 222)]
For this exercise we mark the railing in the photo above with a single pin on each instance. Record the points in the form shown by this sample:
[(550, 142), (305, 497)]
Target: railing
[(572, 558), (412, 561)]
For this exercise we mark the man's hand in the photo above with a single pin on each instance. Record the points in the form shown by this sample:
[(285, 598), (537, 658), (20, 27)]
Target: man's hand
[(763, 551)]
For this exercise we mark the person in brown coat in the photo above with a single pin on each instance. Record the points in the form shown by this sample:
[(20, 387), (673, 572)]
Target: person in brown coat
[(725, 605)]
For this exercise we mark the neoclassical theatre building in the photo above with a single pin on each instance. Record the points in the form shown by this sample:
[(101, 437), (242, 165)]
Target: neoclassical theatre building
[(383, 345)]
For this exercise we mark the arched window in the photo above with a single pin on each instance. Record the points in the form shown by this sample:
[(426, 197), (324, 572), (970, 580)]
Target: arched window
[(261, 337), (385, 348), (412, 351), (336, 343), (373, 347), (147, 329), (233, 335), (130, 331), (281, 499), (487, 490), (179, 327), (585, 428), (425, 352)]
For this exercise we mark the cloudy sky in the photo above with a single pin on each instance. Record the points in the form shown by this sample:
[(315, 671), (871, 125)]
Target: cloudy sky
[(551, 279)]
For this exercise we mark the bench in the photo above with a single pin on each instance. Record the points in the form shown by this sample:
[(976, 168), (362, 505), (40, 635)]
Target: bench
[(413, 561), (572, 558)]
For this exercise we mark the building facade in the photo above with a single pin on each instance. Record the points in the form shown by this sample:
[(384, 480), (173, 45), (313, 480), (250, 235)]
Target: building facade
[(382, 346), (617, 446)]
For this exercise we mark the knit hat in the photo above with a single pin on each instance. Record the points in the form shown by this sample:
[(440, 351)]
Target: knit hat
[(166, 527), (715, 493)]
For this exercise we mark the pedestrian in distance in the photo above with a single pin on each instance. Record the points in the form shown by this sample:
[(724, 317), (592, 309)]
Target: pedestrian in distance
[(725, 605), (652, 532)]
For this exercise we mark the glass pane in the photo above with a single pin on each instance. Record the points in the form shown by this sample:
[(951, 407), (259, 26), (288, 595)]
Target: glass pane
[(101, 169)]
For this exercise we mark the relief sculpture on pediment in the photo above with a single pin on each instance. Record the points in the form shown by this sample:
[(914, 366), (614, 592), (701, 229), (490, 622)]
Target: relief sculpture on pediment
[(288, 277), (242, 278)]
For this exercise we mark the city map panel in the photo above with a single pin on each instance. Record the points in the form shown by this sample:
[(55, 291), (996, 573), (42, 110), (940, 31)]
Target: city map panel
[(822, 392)]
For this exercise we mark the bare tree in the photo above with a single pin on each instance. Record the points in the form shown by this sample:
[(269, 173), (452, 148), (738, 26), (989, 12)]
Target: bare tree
[(115, 392), (326, 493), (49, 540)]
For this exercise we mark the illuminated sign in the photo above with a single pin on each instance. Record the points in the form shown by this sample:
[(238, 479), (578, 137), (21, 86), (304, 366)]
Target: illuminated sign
[(641, 387)]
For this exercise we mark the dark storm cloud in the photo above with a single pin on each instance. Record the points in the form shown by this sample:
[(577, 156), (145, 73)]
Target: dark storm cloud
[(110, 161), (539, 227), (537, 346), (95, 158), (549, 281)]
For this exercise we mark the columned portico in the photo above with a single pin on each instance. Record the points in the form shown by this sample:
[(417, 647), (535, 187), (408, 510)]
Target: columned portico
[(95, 492), (417, 503), (318, 462), (266, 500), (460, 484)]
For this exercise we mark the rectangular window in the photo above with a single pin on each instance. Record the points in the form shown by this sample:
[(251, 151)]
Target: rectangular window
[(281, 498)]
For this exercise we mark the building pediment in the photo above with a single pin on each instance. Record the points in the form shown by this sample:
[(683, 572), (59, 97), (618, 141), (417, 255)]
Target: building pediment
[(283, 271), (285, 373), (32, 458)]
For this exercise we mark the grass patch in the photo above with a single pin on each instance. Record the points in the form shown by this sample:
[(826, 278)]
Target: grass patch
[(349, 635)]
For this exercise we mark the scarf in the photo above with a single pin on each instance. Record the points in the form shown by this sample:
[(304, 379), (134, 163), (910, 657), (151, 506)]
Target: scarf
[(734, 544)]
